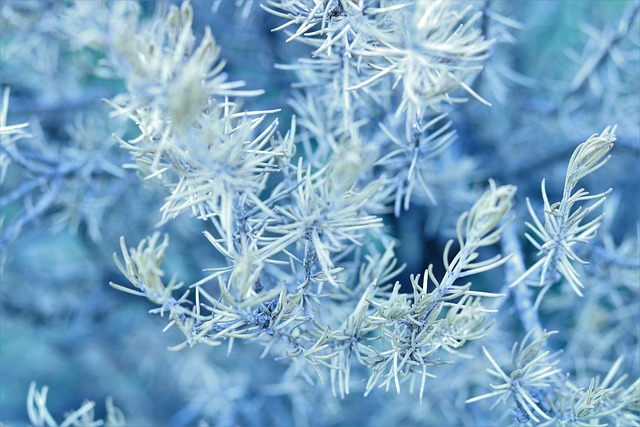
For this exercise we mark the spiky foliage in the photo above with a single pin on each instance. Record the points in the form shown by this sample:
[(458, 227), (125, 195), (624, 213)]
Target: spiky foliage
[(298, 257), (414, 327), (565, 225), (39, 415), (408, 57), (542, 395), (391, 334)]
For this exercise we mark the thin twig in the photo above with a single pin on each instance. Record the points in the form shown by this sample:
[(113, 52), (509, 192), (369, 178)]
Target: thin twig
[(20, 160), (21, 191), (43, 204), (515, 267)]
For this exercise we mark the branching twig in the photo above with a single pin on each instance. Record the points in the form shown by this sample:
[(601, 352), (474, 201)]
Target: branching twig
[(39, 209), (21, 191)]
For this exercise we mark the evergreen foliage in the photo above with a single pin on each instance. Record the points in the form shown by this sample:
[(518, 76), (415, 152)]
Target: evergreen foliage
[(303, 215)]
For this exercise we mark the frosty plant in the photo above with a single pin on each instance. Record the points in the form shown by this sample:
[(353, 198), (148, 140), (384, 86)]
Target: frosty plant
[(283, 243), (39, 415), (565, 224), (414, 327), (391, 334), (304, 226), (545, 397)]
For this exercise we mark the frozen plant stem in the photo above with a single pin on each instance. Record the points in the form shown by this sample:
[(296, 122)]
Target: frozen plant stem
[(522, 294), (296, 258)]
